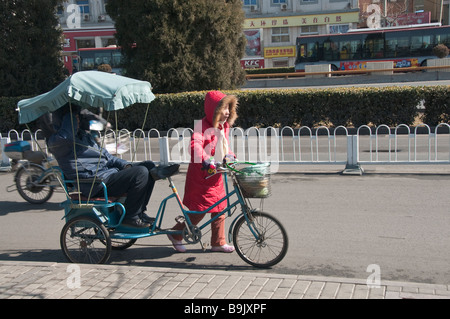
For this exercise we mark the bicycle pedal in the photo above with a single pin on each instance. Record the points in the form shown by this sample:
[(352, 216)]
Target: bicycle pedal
[(204, 245), (180, 219)]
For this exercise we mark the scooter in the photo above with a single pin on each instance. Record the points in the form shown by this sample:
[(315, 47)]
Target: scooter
[(34, 179)]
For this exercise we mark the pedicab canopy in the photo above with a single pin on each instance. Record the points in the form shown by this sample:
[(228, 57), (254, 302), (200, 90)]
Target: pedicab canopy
[(87, 88)]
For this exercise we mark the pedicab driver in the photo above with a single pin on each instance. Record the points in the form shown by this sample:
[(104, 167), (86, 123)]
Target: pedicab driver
[(135, 179)]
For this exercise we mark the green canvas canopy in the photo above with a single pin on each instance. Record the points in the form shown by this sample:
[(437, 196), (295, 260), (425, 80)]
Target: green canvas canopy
[(87, 88)]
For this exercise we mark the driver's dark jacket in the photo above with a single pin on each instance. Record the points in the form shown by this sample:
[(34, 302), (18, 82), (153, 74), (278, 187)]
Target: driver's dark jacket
[(60, 144)]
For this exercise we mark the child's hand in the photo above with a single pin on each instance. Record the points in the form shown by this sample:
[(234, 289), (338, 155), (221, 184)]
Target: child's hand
[(212, 169), (229, 158), (210, 166)]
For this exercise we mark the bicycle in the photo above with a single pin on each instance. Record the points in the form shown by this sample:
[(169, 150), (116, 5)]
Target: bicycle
[(94, 226)]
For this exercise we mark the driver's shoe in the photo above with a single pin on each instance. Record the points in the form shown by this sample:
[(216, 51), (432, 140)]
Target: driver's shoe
[(164, 171)]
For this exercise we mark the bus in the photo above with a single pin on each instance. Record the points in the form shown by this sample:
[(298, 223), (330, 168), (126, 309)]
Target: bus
[(406, 46), (91, 58)]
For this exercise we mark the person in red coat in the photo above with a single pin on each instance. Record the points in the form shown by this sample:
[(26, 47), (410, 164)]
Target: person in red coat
[(209, 147)]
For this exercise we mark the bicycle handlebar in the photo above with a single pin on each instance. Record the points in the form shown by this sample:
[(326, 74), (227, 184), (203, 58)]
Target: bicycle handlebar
[(229, 166)]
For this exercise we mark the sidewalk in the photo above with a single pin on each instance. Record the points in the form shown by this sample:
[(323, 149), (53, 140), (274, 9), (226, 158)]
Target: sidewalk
[(46, 280)]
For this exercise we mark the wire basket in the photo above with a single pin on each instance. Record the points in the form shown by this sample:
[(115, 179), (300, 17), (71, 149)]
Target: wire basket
[(254, 180)]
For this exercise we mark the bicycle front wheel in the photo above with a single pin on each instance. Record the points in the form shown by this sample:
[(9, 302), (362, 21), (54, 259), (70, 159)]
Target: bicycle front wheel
[(262, 242)]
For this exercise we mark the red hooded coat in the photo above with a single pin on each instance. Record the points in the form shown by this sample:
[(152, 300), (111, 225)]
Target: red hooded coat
[(200, 193)]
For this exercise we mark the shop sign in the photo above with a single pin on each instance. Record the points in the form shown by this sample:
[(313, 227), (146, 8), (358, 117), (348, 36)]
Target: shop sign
[(279, 52), (252, 63), (303, 20)]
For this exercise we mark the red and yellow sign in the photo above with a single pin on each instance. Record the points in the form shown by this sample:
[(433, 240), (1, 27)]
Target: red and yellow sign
[(303, 20), (362, 65), (279, 52)]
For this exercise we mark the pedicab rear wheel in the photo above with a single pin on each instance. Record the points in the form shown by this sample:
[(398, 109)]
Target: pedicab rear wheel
[(85, 240)]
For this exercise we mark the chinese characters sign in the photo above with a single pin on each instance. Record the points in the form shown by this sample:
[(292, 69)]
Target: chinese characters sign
[(295, 21), (279, 52)]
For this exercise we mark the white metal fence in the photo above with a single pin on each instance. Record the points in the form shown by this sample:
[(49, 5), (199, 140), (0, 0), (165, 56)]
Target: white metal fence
[(341, 146)]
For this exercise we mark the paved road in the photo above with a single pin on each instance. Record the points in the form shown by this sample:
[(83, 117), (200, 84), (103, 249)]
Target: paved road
[(395, 218)]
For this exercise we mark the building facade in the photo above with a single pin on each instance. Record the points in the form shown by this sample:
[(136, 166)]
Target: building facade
[(272, 27)]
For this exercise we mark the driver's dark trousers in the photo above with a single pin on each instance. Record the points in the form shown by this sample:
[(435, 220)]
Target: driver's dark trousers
[(137, 183)]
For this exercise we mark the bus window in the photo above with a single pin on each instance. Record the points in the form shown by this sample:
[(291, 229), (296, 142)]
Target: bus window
[(102, 58), (330, 50), (421, 45), (308, 52), (311, 52), (87, 63), (301, 53), (116, 59), (391, 47), (344, 48), (442, 38), (374, 46), (403, 45), (92, 58), (354, 49)]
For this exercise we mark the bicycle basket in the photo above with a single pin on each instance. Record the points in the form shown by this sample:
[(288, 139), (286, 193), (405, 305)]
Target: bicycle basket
[(254, 180)]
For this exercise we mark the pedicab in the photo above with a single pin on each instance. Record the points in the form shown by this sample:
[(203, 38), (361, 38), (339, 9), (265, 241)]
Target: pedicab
[(93, 226)]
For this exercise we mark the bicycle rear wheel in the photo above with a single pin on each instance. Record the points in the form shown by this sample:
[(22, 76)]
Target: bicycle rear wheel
[(263, 242), (27, 187)]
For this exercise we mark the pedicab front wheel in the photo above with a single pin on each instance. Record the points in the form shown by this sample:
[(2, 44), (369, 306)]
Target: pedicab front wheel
[(260, 240), (85, 240)]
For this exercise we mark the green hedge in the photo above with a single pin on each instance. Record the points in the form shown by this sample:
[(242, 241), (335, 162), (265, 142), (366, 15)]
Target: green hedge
[(284, 107), (8, 114)]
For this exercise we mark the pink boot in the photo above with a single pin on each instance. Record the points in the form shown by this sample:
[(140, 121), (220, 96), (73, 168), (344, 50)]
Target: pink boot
[(223, 249), (177, 244)]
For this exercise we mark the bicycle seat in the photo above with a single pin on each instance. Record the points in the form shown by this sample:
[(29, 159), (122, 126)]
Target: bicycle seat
[(36, 157), (164, 171)]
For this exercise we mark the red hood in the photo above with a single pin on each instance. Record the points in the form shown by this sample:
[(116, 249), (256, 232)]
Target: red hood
[(212, 99)]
